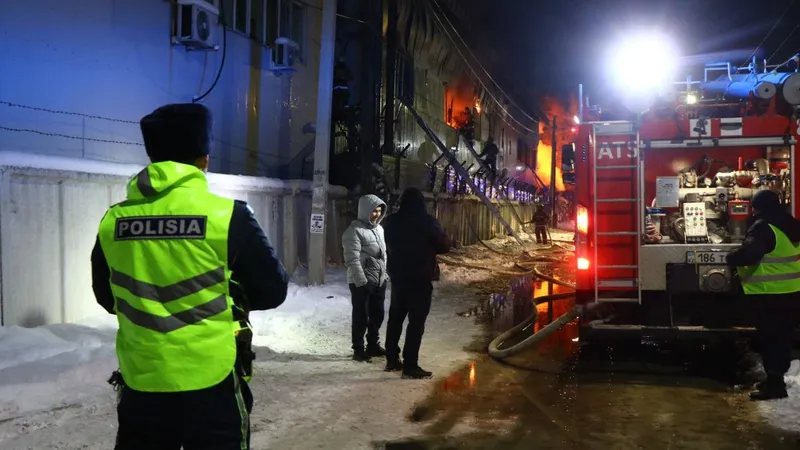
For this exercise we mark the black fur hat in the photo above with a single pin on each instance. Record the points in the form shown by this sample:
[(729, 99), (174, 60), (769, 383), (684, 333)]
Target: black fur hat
[(178, 132)]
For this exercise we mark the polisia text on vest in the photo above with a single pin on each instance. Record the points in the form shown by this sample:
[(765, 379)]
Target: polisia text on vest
[(161, 227)]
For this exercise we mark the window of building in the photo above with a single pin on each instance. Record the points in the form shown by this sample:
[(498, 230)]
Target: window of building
[(257, 21), (265, 21), (240, 22)]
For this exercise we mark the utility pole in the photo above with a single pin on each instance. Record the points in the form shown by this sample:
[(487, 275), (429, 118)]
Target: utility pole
[(553, 210), (391, 57), (317, 260)]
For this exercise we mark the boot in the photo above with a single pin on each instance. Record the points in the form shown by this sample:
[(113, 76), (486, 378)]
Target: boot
[(360, 355), (416, 373), (393, 366), (376, 351), (769, 389)]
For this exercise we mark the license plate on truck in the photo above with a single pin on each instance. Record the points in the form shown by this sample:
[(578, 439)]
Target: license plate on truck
[(706, 257)]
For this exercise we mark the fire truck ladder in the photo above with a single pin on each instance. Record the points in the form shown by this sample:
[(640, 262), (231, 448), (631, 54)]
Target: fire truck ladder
[(462, 173), (617, 129)]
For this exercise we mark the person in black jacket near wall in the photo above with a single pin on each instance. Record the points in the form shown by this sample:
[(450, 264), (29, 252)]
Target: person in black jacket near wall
[(413, 239)]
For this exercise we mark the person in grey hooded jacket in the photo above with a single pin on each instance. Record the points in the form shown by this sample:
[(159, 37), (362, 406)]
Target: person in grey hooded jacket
[(365, 258)]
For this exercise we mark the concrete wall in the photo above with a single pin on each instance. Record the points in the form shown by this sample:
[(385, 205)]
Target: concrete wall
[(114, 59), (50, 208)]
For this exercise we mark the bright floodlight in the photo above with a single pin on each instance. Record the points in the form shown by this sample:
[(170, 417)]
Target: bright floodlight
[(645, 63), (576, 119)]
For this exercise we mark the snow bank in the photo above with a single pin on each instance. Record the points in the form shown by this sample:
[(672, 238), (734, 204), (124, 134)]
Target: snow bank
[(313, 320), (53, 390), (785, 414), (53, 365)]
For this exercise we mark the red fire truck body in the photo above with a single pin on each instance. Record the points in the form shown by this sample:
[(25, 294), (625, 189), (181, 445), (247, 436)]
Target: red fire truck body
[(660, 201)]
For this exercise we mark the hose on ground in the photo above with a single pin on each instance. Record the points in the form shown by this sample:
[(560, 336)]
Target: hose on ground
[(494, 349)]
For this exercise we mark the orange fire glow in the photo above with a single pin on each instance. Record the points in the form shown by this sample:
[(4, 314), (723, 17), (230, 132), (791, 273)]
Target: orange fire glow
[(564, 135), (544, 158)]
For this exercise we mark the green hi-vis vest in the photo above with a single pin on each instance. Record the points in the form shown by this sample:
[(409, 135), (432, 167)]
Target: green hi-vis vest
[(167, 248), (777, 273)]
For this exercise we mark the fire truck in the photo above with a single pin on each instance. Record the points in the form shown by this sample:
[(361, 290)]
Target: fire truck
[(661, 199)]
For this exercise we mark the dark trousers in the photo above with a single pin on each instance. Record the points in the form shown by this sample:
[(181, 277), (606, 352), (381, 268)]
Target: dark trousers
[(541, 234), (216, 418), (777, 319), (412, 299), (368, 312)]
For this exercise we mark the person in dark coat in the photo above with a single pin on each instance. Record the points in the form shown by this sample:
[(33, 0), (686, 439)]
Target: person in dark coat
[(413, 239), (768, 265), (489, 155), (540, 219)]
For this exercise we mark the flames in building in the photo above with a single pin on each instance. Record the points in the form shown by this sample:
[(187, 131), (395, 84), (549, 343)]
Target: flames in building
[(544, 160), (564, 135)]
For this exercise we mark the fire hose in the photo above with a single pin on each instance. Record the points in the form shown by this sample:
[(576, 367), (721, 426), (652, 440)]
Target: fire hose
[(494, 349)]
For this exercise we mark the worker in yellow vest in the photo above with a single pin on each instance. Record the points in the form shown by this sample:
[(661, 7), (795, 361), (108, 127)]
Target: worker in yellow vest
[(181, 268), (768, 264)]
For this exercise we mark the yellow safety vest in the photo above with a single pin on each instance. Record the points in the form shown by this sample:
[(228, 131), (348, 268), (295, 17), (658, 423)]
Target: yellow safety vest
[(167, 248), (777, 273)]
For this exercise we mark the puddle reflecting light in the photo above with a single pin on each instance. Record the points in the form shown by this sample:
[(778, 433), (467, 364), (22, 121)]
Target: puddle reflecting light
[(471, 373)]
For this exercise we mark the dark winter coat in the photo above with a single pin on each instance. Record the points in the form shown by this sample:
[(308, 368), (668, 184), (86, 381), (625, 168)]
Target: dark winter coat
[(413, 239), (540, 218), (760, 240)]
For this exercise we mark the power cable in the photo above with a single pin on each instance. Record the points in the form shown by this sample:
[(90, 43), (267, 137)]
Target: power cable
[(455, 30), (786, 39), (199, 98), (774, 25), (438, 21)]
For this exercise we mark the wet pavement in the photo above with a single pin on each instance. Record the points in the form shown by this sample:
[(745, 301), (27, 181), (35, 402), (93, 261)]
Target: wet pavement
[(569, 395)]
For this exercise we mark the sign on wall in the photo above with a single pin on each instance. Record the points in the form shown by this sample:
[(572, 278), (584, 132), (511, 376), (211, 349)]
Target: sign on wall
[(317, 223)]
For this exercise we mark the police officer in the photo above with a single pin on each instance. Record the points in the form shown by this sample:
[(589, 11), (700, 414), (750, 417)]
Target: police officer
[(181, 268), (768, 263)]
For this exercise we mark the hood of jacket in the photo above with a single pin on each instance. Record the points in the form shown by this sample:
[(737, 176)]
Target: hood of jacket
[(366, 205), (160, 177), (772, 212), (412, 203)]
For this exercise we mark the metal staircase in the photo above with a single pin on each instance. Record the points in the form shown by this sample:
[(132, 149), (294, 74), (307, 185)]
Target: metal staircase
[(615, 289), (462, 173)]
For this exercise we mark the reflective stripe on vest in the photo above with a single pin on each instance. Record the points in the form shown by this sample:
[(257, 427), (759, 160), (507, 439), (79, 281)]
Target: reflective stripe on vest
[(167, 250), (778, 272)]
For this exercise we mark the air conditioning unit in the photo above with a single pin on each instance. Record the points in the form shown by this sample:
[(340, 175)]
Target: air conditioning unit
[(283, 52), (196, 24)]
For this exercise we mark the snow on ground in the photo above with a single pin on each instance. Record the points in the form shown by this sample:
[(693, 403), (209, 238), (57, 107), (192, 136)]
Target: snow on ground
[(785, 414), (309, 394)]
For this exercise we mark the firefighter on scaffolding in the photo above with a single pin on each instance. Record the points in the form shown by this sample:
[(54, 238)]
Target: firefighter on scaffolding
[(540, 219), (489, 155)]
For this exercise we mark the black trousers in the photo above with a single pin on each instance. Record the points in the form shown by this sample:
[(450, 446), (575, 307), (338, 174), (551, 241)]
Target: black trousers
[(541, 234), (368, 313), (216, 418), (777, 319), (412, 299)]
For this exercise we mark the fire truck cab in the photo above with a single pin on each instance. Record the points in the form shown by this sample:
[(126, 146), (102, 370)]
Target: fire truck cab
[(661, 200)]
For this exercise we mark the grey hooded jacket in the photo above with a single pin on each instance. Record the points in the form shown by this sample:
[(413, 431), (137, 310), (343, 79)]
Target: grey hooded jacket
[(364, 246)]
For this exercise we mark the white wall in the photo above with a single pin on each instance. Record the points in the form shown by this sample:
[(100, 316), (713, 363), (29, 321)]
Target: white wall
[(50, 210), (113, 58)]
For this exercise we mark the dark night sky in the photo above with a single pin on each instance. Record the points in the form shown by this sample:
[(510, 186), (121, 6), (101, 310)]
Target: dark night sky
[(551, 47)]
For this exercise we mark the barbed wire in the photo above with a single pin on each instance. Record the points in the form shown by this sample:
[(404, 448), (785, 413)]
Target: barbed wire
[(109, 119), (67, 113), (78, 138)]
